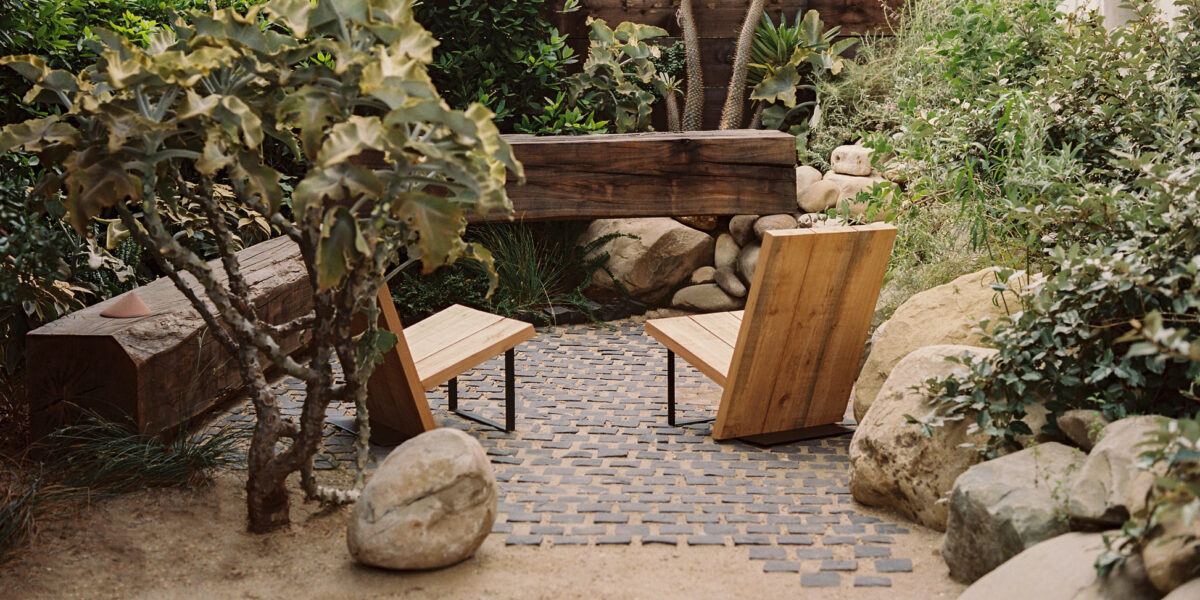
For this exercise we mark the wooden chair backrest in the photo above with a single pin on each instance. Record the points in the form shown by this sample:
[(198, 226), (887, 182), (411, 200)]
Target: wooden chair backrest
[(396, 402), (803, 332)]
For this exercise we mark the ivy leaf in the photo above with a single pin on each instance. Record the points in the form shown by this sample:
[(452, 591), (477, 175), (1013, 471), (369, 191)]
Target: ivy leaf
[(251, 177), (350, 139), (310, 109), (37, 134)]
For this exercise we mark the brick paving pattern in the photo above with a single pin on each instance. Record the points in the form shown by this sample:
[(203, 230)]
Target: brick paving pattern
[(593, 462)]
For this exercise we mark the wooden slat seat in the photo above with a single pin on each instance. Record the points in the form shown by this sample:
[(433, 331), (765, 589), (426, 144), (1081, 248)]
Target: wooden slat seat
[(459, 338), (788, 362), (432, 352), (706, 341)]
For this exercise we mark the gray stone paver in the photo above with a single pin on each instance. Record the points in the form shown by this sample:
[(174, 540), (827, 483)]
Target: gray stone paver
[(593, 462)]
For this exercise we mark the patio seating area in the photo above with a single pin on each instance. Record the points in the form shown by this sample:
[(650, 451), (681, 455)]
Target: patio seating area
[(594, 462)]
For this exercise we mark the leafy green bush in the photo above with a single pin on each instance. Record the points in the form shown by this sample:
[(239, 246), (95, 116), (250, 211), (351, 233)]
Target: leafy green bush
[(1089, 162), (504, 55), (786, 60)]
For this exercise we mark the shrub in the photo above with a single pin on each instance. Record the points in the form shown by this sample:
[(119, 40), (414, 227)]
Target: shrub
[(504, 55), (1107, 200)]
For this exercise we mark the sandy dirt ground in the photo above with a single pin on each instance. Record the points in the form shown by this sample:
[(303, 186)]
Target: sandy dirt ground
[(193, 544)]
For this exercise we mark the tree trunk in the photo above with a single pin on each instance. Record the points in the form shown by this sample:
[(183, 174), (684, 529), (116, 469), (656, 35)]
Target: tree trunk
[(266, 501), (731, 116), (693, 104)]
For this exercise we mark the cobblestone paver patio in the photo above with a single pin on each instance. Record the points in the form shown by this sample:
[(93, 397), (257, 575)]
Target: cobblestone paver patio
[(593, 462)]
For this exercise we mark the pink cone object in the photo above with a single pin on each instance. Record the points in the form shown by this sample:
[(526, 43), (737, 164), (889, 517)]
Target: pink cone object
[(128, 306)]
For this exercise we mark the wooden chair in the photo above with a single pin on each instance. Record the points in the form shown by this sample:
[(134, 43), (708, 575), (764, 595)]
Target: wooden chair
[(435, 351), (787, 362)]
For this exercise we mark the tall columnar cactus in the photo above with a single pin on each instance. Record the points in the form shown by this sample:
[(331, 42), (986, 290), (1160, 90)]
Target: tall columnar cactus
[(731, 115), (693, 103)]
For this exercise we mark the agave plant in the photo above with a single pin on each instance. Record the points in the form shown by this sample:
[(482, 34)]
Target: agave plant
[(145, 129), (784, 57)]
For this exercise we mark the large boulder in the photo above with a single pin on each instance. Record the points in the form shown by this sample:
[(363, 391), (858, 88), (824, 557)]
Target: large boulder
[(892, 462), (1173, 556), (1003, 506), (1187, 591), (429, 505), (1063, 568), (661, 254), (1111, 486), (946, 314), (706, 297)]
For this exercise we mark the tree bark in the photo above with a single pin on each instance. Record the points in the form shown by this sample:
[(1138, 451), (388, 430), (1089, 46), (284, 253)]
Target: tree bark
[(266, 501), (731, 115), (693, 104)]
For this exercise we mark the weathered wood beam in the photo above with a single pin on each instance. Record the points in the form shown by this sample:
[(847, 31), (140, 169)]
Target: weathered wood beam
[(653, 175), (160, 370)]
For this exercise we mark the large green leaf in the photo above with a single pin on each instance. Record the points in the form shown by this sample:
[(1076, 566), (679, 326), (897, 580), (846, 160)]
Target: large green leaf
[(779, 86), (341, 183), (309, 109), (351, 138), (340, 240), (432, 218), (37, 134), (251, 177), (93, 185)]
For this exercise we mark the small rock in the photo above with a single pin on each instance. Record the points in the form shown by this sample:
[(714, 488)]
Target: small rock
[(747, 261), (1111, 486), (741, 228), (703, 223), (429, 505), (817, 220), (772, 223), (805, 177), (1003, 506), (1063, 569), (704, 274), (726, 252), (728, 280), (1082, 427), (851, 160), (1173, 556), (706, 297), (820, 197)]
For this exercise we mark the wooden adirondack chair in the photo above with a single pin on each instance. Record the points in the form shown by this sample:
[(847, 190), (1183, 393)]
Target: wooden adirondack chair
[(787, 362), (432, 352)]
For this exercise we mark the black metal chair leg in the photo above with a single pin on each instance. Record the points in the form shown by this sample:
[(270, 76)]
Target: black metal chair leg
[(510, 390), (670, 388), (510, 397), (671, 397)]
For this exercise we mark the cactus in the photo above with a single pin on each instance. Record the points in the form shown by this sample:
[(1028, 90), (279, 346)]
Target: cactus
[(693, 103), (731, 115)]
